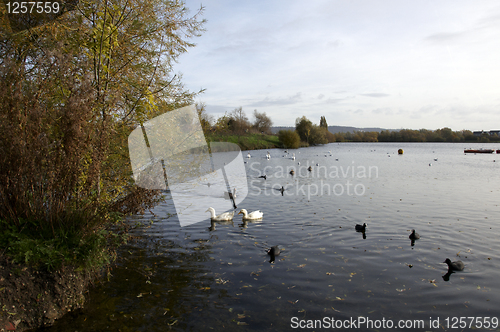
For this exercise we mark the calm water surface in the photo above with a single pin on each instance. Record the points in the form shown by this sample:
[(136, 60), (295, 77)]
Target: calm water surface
[(218, 277)]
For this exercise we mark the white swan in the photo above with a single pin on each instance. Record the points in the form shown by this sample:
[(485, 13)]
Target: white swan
[(249, 156), (252, 215), (226, 216), (293, 156)]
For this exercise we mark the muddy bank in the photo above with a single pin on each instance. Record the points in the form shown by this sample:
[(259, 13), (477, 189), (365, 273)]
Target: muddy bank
[(30, 298)]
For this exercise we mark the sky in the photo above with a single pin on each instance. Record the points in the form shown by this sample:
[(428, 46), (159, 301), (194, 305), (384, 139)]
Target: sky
[(362, 63)]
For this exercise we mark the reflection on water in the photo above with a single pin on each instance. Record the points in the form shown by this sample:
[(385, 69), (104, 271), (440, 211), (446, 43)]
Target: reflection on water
[(217, 275)]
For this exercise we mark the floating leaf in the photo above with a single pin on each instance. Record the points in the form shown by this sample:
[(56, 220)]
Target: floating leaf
[(241, 316), (242, 323)]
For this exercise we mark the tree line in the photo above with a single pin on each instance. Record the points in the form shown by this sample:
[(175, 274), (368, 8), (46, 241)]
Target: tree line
[(234, 122), (306, 133)]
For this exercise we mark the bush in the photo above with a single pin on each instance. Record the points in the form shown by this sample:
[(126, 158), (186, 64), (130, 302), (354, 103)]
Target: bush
[(317, 135), (289, 138)]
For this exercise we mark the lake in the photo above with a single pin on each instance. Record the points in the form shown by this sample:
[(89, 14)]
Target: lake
[(218, 276)]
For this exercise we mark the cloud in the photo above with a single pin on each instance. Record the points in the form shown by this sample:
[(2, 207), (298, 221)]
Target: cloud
[(375, 95), (443, 37), (385, 110), (334, 100), (296, 98), (428, 109), (218, 109)]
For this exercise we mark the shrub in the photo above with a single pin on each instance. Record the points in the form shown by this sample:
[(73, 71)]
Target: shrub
[(289, 138)]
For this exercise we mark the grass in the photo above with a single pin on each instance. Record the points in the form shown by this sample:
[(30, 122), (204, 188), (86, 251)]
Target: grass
[(247, 141), (87, 250)]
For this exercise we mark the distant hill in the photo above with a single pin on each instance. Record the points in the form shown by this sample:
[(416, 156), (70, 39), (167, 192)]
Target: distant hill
[(335, 129)]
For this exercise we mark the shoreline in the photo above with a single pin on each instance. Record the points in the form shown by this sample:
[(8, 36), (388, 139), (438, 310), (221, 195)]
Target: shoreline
[(32, 298)]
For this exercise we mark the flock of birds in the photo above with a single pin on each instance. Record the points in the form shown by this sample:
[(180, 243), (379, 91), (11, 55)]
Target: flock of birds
[(452, 266), (255, 215), (275, 250), (228, 216), (292, 157)]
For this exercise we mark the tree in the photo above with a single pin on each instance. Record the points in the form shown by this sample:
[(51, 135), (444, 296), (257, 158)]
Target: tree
[(72, 91), (222, 123), (206, 119), (322, 123), (303, 127), (317, 135), (262, 122), (238, 121), (289, 138)]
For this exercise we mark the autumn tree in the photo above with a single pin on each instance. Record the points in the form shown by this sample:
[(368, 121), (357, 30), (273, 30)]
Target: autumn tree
[(238, 121), (289, 138), (303, 126), (206, 119), (72, 91), (317, 135), (322, 123), (262, 122)]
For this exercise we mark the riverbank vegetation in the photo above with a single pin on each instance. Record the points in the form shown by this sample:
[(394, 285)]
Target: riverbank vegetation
[(71, 91), (235, 127), (313, 134)]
